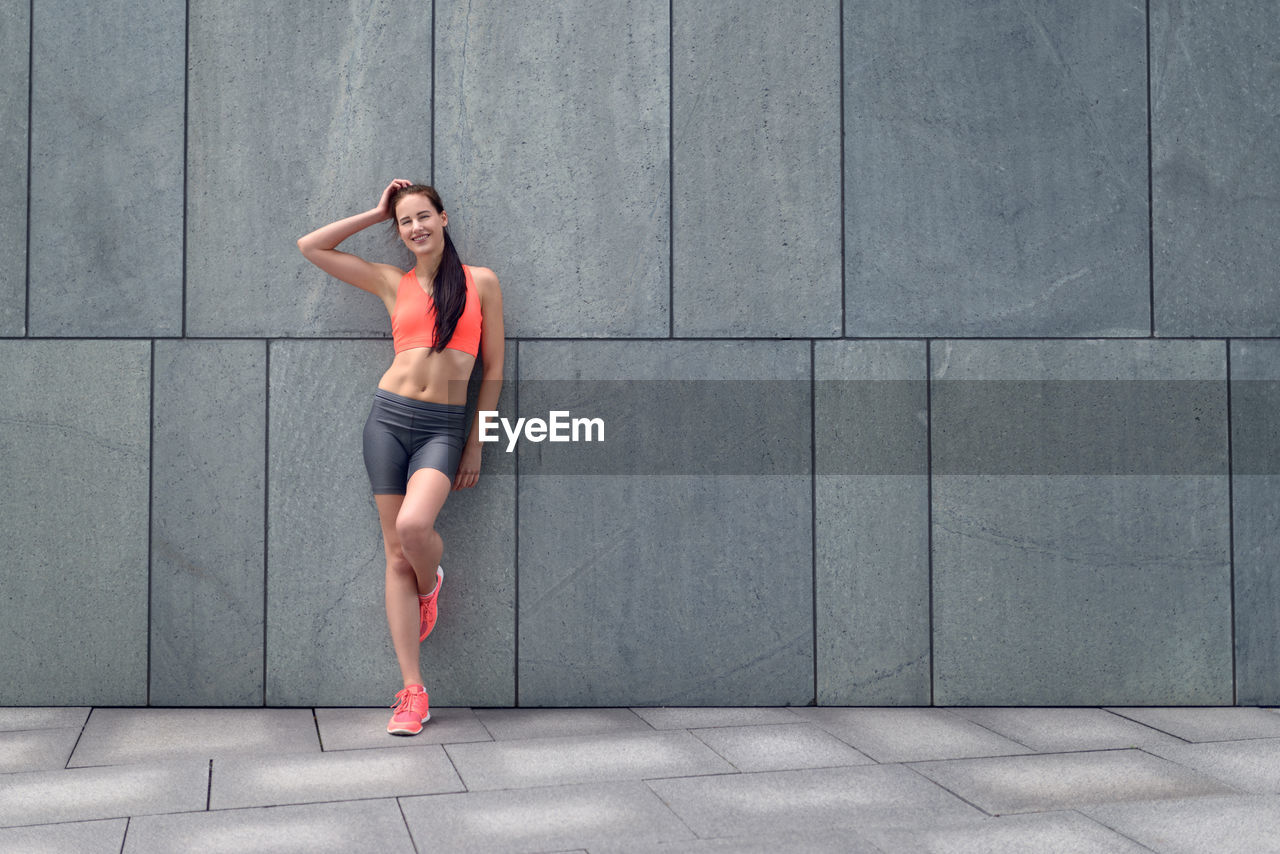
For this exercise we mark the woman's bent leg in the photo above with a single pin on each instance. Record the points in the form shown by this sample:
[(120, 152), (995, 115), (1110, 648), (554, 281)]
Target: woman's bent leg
[(415, 524), (401, 592)]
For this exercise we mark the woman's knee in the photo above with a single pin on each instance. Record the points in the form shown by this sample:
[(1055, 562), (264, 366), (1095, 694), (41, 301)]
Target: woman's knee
[(398, 564), (415, 533)]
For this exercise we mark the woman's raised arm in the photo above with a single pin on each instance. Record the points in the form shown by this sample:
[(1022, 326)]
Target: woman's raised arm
[(320, 248)]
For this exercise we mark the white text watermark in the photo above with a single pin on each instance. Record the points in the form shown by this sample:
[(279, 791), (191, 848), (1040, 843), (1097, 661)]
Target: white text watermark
[(558, 427)]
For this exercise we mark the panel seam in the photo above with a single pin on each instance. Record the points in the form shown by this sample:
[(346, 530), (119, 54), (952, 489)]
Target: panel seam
[(1231, 539), (928, 460), (1151, 252)]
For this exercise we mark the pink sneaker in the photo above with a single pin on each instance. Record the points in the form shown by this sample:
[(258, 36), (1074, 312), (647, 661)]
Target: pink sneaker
[(412, 710), (427, 607)]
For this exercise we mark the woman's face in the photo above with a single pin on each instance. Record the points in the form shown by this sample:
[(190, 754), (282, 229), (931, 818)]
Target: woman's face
[(421, 225)]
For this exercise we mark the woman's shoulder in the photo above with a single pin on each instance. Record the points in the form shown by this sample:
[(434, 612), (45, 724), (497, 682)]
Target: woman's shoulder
[(484, 278)]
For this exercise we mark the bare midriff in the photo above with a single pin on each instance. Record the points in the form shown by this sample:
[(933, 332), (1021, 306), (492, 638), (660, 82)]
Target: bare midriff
[(436, 377)]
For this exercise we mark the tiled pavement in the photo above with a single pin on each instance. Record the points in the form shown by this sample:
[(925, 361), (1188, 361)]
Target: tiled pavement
[(641, 780)]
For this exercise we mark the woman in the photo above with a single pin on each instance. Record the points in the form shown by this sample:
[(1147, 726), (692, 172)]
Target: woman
[(443, 316)]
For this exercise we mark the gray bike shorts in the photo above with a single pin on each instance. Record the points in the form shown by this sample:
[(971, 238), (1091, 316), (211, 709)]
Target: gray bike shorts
[(403, 435)]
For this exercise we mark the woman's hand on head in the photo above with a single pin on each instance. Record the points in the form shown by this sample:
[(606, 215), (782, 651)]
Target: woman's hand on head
[(384, 204)]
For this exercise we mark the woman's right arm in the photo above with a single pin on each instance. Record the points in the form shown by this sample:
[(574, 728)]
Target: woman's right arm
[(320, 248)]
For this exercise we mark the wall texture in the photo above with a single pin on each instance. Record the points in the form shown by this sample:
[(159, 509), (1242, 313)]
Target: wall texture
[(938, 347)]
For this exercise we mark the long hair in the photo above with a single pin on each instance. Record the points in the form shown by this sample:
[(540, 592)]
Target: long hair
[(449, 289)]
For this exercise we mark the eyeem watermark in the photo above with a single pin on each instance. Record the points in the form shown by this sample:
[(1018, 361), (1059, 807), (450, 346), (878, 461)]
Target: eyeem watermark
[(558, 427)]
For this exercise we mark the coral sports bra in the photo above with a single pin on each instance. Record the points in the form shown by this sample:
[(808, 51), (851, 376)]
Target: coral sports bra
[(413, 322)]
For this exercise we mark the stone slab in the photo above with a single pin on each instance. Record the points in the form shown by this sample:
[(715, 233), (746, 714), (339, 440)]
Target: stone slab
[(910, 735), (812, 841), (562, 113), (506, 724), (36, 749), (75, 454), (109, 116), (336, 828), (1255, 516), (995, 169), (756, 92), (543, 819), (779, 801), (1208, 724), (115, 736), (1251, 765), (82, 794), (209, 452), (1011, 834), (327, 641), (41, 717), (583, 759), (1215, 146), (872, 523), (354, 729), (689, 717), (1064, 730), (344, 775), (780, 747), (15, 91), (83, 837), (1244, 824), (727, 558), (305, 99), (1051, 781), (1063, 585)]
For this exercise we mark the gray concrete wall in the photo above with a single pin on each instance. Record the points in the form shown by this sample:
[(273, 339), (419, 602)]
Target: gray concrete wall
[(938, 347)]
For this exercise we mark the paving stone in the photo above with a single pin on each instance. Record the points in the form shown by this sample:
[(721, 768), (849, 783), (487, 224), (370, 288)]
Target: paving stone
[(114, 736), (339, 828), (689, 717), (80, 837), (1064, 730), (1251, 765), (42, 717), (81, 794), (1215, 150), (1052, 781), (780, 747), (208, 452), (581, 759), (521, 110), (343, 775), (261, 97), (544, 723), (1208, 724), (353, 729), (1013, 834), (1246, 824), (36, 749), (810, 841), (74, 433), (995, 169), (542, 819), (107, 113), (910, 735), (778, 801), (871, 438), (755, 91), (15, 90)]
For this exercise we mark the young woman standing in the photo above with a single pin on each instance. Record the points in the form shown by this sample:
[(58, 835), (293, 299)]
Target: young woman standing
[(444, 315)]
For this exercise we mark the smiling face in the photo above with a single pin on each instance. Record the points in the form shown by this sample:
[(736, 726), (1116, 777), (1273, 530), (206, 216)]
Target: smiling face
[(420, 225)]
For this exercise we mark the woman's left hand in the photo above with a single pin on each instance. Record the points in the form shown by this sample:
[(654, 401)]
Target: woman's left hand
[(468, 467)]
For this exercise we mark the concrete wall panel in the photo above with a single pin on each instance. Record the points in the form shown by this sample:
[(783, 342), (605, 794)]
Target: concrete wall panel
[(552, 151), (756, 169), (15, 56), (74, 457), (667, 589), (1061, 588), (995, 169), (107, 168), (1215, 146), (209, 451), (1255, 509), (298, 119), (327, 638), (873, 633)]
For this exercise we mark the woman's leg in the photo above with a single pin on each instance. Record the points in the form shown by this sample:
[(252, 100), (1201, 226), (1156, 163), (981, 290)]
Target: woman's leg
[(401, 585)]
